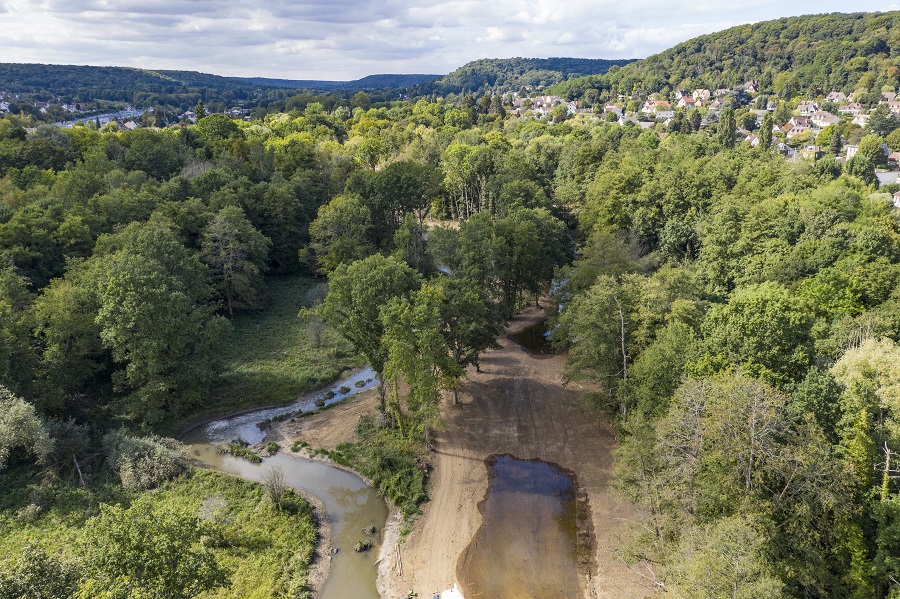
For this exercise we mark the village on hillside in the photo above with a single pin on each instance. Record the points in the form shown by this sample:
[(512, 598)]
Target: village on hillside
[(832, 124), (802, 129)]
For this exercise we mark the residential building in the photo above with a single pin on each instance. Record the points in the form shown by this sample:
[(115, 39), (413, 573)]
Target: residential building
[(807, 108), (822, 119), (852, 109), (811, 152)]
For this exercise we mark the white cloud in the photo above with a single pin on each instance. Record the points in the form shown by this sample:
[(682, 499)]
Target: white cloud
[(345, 39)]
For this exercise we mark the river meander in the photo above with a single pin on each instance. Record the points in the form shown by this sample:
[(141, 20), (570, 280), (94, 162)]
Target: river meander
[(350, 504)]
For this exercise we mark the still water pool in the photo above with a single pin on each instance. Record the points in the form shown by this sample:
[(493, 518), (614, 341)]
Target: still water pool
[(528, 543)]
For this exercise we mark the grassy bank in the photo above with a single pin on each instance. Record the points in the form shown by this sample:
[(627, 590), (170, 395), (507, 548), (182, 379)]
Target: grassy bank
[(266, 550), (272, 356), (395, 464)]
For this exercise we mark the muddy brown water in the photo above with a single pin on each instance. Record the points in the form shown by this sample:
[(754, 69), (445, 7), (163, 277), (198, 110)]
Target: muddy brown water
[(534, 339), (529, 543), (350, 504)]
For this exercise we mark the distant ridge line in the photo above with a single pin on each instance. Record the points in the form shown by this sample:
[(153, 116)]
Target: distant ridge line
[(377, 81)]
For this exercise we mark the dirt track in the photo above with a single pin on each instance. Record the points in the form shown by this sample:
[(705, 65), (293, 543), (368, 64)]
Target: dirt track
[(517, 405), (329, 428)]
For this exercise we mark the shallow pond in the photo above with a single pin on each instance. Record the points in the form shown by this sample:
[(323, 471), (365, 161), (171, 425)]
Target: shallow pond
[(350, 504), (528, 544), (534, 339)]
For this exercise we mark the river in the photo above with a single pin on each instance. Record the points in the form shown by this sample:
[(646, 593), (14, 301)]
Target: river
[(105, 118), (350, 504)]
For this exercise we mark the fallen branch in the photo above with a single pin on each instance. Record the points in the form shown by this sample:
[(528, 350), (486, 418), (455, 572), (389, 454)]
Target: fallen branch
[(654, 583), (78, 469)]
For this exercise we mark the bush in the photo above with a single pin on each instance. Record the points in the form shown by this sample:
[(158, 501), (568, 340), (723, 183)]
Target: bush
[(35, 574), (144, 462), (393, 463), (239, 449), (20, 426)]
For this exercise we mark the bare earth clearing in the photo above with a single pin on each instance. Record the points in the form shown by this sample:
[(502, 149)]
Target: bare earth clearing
[(517, 405)]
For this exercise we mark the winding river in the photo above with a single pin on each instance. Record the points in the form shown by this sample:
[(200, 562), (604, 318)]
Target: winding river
[(350, 504)]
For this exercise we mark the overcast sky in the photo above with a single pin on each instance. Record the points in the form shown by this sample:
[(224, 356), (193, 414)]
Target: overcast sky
[(348, 39)]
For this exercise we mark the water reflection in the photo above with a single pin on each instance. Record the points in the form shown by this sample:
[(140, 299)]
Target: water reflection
[(350, 504), (527, 545), (534, 339), (246, 426)]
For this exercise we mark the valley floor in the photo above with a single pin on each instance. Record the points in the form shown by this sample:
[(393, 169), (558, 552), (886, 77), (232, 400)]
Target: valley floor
[(517, 405)]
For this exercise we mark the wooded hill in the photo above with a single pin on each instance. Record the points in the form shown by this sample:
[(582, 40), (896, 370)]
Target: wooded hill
[(809, 55), (121, 84), (513, 74)]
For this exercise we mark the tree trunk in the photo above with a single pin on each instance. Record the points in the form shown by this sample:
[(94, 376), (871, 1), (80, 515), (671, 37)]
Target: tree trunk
[(382, 400), (624, 408), (78, 469)]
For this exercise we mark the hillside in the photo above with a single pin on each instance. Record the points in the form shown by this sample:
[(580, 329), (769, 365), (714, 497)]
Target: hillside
[(382, 81), (807, 55), (120, 84), (85, 83), (506, 74)]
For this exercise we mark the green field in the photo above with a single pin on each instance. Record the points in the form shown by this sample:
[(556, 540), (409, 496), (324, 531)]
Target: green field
[(271, 357)]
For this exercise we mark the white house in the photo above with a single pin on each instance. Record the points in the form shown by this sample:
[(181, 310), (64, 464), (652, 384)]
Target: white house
[(651, 106), (822, 119), (807, 108), (852, 109)]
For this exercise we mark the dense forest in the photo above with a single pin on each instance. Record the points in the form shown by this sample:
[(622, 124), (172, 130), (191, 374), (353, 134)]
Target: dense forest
[(128, 255), (809, 55), (503, 75), (84, 83), (736, 310), (103, 88)]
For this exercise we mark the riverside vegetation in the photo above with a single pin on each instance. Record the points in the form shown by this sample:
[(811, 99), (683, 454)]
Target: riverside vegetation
[(737, 310)]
